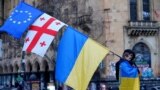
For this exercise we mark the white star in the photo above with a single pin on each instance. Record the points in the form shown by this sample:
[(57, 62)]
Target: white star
[(28, 19), (12, 13), (16, 10), (24, 21), (29, 13), (14, 21), (21, 11), (26, 11), (30, 16), (19, 22), (10, 19)]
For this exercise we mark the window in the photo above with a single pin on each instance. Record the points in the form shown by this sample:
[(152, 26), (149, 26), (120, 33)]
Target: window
[(143, 55), (133, 10), (146, 10)]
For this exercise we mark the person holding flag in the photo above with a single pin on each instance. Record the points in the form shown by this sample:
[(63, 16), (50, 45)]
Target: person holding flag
[(127, 72)]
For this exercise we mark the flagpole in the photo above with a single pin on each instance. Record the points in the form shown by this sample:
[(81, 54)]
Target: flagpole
[(23, 69), (22, 73), (115, 54)]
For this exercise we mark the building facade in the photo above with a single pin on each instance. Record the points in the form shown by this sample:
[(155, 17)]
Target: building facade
[(131, 24)]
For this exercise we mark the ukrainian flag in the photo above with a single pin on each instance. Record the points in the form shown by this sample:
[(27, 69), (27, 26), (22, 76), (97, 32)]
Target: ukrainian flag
[(129, 78), (77, 59)]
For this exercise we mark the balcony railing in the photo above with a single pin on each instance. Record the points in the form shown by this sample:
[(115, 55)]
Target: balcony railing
[(142, 23), (82, 20), (142, 28)]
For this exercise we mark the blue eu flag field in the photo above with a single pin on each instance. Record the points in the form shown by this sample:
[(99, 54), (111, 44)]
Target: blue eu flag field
[(20, 19)]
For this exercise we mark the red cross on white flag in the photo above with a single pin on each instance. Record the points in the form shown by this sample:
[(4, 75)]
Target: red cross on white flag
[(41, 33)]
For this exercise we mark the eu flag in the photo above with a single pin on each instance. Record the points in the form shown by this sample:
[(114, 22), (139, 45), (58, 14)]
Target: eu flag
[(20, 19)]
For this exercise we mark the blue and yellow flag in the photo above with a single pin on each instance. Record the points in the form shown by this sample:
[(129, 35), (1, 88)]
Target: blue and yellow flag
[(20, 19), (77, 59), (129, 78)]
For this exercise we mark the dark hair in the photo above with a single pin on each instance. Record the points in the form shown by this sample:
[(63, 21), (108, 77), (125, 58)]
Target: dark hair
[(127, 52)]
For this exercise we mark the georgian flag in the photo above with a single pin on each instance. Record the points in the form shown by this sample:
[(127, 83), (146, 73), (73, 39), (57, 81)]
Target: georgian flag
[(41, 33)]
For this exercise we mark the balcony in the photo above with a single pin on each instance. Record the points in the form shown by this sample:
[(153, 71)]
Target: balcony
[(142, 28), (84, 19), (81, 20)]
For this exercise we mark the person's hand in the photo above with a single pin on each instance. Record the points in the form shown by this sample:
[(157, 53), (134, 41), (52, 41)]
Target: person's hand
[(140, 74)]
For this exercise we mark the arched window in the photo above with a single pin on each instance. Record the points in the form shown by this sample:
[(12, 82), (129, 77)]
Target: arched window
[(133, 10), (143, 55), (146, 10)]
